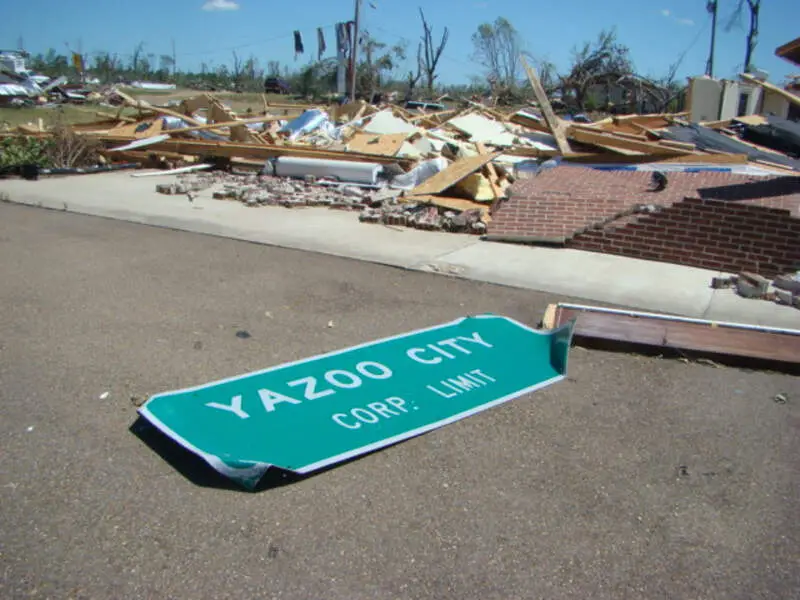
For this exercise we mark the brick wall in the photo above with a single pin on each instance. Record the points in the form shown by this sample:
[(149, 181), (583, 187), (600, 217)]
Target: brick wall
[(714, 220), (711, 234)]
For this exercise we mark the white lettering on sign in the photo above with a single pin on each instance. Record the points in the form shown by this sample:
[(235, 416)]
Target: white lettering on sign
[(414, 354), (423, 355), (337, 377), (311, 392), (373, 413), (461, 384), (384, 372), (235, 407), (269, 399), (352, 381)]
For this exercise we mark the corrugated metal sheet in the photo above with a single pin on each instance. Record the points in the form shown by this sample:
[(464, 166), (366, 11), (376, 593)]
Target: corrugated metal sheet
[(12, 89)]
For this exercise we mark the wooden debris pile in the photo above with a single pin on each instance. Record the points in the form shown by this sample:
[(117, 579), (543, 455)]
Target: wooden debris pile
[(460, 161)]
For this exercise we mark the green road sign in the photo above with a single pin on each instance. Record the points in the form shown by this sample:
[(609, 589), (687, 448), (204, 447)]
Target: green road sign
[(306, 415)]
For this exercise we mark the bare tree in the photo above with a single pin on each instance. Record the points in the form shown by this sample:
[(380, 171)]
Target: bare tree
[(754, 7), (432, 53), (107, 65), (412, 78), (237, 68), (166, 64), (274, 68), (498, 48), (136, 58), (597, 62)]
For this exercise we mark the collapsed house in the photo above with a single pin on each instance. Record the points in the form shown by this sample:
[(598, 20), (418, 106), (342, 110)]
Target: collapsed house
[(723, 194)]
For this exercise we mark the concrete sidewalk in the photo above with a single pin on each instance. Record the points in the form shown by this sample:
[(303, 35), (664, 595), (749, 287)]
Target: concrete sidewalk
[(633, 283)]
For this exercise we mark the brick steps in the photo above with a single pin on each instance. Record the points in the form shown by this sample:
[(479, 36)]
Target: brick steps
[(711, 234), (714, 220)]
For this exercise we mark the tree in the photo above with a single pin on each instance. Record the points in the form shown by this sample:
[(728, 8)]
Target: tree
[(274, 68), (106, 66), (597, 62), (412, 78), (237, 69), (498, 48), (754, 7), (136, 58), (378, 63), (166, 63), (431, 52)]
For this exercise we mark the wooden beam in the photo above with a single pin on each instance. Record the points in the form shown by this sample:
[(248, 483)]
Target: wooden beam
[(256, 151), (557, 126), (492, 173), (772, 88), (207, 126), (602, 138), (452, 174), (659, 331)]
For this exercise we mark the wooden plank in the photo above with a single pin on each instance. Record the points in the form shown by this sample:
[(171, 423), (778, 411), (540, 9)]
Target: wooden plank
[(557, 126), (747, 120), (452, 174), (491, 173), (529, 122), (666, 331), (264, 119), (375, 143), (459, 204), (772, 88), (257, 151), (582, 134), (623, 151)]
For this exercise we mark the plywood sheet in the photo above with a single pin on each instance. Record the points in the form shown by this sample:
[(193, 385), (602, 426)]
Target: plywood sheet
[(371, 143), (453, 174)]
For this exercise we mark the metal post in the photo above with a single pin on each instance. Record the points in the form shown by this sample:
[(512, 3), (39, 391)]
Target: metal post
[(354, 53)]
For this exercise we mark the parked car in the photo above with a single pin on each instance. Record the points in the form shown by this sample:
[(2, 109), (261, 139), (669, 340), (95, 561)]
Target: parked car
[(276, 85)]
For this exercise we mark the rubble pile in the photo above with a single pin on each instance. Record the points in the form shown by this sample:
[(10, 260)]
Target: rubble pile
[(784, 289), (444, 168)]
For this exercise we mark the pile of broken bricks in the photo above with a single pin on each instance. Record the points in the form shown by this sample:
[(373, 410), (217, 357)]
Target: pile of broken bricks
[(784, 289), (382, 206)]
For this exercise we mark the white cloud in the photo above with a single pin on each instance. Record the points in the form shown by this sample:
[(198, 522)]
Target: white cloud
[(680, 21), (221, 5)]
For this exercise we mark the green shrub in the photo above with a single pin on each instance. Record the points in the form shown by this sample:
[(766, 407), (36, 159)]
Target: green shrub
[(25, 150)]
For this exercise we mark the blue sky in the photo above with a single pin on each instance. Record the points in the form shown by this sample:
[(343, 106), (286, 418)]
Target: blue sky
[(657, 31)]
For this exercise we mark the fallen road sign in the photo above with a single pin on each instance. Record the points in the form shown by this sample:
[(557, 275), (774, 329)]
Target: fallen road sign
[(315, 412)]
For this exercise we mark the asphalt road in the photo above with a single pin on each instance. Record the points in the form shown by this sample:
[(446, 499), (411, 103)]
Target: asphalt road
[(635, 478)]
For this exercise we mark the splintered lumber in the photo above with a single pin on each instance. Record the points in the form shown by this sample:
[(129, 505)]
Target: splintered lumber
[(254, 120), (772, 88), (557, 127), (452, 174), (657, 331), (208, 148), (603, 138), (459, 204), (491, 172)]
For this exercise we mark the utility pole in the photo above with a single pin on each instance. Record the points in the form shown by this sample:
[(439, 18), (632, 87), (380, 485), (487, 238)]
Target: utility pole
[(174, 60), (712, 8), (354, 53)]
